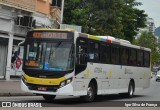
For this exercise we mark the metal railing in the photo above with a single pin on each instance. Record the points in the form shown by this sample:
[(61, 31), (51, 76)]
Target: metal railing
[(55, 13)]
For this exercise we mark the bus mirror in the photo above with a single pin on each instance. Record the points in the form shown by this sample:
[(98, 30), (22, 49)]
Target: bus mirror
[(20, 43), (19, 47)]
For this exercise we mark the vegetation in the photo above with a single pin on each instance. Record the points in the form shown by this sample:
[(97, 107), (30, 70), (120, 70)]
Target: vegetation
[(118, 18)]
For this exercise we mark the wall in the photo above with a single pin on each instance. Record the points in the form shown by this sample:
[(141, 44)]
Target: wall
[(43, 6)]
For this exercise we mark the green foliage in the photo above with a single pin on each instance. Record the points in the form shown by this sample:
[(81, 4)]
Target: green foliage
[(118, 18), (148, 40)]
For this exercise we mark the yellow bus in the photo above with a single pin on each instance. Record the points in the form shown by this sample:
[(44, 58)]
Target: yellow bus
[(66, 62)]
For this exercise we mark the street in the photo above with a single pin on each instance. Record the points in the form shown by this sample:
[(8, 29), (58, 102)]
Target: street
[(150, 94)]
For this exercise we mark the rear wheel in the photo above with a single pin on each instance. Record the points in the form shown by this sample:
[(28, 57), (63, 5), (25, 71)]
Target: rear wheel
[(91, 93), (49, 98), (130, 90)]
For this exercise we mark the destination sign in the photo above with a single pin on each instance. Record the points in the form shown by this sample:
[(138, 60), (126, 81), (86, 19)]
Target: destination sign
[(50, 35)]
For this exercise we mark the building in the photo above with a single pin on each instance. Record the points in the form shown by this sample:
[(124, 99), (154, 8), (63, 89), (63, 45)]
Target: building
[(56, 11), (150, 27), (17, 17)]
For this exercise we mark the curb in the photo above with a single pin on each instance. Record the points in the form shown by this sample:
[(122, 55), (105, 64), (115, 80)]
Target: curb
[(16, 94)]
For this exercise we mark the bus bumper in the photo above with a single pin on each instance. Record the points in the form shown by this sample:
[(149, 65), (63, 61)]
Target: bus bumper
[(66, 90)]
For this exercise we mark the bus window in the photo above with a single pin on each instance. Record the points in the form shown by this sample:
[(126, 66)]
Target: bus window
[(115, 55), (82, 51), (124, 56), (146, 59), (105, 54), (94, 52), (81, 55), (132, 57), (139, 58)]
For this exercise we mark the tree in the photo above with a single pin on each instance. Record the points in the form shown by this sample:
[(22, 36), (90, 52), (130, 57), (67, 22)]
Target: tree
[(148, 40), (118, 18), (133, 19)]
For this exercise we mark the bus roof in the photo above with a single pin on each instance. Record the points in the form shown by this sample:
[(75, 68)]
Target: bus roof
[(113, 40)]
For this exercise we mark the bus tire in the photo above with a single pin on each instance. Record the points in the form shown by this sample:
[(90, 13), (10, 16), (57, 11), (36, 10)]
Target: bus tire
[(49, 98), (130, 90), (91, 93)]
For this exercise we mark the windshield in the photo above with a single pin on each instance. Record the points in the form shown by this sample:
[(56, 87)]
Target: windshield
[(55, 56)]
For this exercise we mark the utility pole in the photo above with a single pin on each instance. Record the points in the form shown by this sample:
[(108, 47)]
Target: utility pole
[(62, 9)]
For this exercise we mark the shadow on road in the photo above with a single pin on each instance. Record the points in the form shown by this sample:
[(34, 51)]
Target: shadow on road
[(100, 101)]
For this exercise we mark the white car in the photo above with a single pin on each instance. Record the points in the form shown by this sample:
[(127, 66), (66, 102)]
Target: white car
[(158, 76)]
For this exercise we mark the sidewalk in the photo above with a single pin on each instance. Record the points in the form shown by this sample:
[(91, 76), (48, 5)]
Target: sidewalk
[(11, 88)]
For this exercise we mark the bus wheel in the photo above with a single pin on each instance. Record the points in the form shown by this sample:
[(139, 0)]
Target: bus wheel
[(91, 93), (49, 98), (130, 90)]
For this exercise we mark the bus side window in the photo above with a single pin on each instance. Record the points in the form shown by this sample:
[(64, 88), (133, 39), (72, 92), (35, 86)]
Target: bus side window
[(93, 52), (124, 56), (139, 58), (81, 51), (132, 57), (115, 55), (146, 59), (105, 54), (82, 55)]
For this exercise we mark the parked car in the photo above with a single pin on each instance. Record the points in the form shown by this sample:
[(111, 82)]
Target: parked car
[(155, 70), (158, 76)]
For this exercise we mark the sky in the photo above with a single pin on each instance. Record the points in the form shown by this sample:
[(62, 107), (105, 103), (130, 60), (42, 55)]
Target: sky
[(152, 9)]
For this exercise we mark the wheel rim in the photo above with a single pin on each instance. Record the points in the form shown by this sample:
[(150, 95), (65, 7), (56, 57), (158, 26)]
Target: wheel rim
[(90, 92), (131, 90)]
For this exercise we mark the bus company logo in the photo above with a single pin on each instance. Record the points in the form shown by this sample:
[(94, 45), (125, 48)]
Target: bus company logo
[(6, 104), (20, 104)]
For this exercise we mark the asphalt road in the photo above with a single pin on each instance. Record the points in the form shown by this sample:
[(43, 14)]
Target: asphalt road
[(151, 94)]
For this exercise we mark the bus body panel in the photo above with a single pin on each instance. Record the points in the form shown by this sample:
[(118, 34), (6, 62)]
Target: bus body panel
[(66, 90), (113, 78)]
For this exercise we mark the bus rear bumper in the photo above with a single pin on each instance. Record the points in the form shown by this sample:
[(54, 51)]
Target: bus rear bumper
[(66, 90)]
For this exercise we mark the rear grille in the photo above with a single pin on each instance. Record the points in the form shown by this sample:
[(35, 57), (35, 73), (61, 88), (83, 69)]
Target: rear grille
[(48, 87)]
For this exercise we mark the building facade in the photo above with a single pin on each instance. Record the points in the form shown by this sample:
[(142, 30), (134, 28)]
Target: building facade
[(150, 27), (17, 17)]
